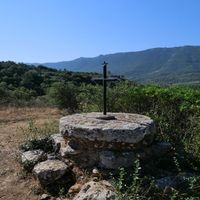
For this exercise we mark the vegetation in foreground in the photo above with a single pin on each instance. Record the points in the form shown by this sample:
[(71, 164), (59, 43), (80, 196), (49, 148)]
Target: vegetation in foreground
[(175, 109)]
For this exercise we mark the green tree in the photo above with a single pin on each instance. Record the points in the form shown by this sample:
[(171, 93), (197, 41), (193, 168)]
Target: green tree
[(32, 80), (64, 95), (4, 93)]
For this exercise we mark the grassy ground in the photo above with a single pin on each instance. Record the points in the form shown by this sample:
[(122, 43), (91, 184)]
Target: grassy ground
[(13, 184)]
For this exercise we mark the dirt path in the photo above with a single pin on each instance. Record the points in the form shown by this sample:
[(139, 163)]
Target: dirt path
[(13, 184)]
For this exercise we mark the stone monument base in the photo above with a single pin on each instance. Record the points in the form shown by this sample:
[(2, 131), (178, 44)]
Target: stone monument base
[(92, 141)]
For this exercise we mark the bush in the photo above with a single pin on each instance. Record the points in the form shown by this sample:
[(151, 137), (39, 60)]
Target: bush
[(64, 95), (132, 188), (90, 98), (38, 137)]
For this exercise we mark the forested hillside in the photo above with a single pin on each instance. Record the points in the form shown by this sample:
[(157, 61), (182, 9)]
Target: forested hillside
[(158, 65), (21, 83)]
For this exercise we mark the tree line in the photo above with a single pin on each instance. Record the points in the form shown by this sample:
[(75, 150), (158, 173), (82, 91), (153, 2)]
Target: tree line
[(21, 83)]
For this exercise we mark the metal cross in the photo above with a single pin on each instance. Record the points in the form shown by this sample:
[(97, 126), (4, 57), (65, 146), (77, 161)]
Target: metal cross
[(104, 79)]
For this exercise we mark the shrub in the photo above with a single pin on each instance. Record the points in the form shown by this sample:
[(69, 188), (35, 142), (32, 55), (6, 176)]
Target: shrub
[(38, 137), (90, 98), (131, 186), (64, 95)]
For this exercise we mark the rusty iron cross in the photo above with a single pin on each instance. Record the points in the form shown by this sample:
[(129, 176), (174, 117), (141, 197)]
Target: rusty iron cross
[(104, 80)]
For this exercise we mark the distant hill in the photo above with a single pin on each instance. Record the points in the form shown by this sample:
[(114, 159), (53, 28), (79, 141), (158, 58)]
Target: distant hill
[(160, 65)]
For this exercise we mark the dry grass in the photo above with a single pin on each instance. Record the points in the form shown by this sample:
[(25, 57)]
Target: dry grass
[(13, 114), (12, 122)]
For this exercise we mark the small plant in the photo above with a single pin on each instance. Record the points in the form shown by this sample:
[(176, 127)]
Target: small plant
[(28, 165), (34, 131), (174, 195), (38, 137), (61, 191), (194, 185), (176, 162), (133, 189), (23, 174), (119, 184)]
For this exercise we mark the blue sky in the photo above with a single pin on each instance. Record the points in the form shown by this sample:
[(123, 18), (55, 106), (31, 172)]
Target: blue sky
[(57, 30)]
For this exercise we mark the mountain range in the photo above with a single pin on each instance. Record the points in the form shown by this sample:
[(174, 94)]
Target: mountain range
[(177, 65)]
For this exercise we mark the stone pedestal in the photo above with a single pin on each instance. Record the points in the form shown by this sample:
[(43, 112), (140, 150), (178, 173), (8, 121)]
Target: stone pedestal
[(93, 141)]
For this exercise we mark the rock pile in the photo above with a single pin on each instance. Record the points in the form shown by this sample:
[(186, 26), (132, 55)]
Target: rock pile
[(88, 141)]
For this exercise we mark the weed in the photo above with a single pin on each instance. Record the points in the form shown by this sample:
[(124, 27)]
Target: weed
[(174, 195), (38, 136), (23, 174), (133, 189), (34, 131), (176, 162)]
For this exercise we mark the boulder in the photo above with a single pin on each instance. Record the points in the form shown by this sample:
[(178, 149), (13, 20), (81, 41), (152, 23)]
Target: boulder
[(67, 151), (87, 158), (173, 181), (101, 190), (49, 171), (30, 158), (115, 160), (154, 151), (58, 142)]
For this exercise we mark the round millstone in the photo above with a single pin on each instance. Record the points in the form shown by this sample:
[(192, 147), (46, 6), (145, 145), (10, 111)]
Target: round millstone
[(125, 131)]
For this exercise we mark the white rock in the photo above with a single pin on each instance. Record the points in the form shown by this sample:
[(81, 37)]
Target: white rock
[(173, 181), (32, 157), (44, 197), (95, 171), (50, 171), (101, 190), (58, 142), (68, 151)]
